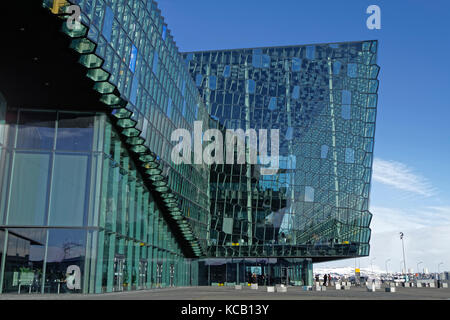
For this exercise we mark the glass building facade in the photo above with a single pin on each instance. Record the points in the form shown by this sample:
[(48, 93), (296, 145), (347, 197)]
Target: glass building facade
[(91, 202), (322, 99)]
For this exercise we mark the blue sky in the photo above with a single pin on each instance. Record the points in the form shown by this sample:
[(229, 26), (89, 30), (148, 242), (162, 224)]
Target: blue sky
[(411, 182)]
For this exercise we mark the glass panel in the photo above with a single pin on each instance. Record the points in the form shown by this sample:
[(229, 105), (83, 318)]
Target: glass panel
[(309, 194), (346, 112), (133, 58), (273, 103), (310, 52), (24, 260), (36, 130), (349, 155), (324, 152), (296, 64), (337, 67), (69, 196), (155, 63), (251, 86), (351, 70), (346, 97), (296, 92), (75, 132), (30, 178), (227, 71), (212, 82), (169, 109), (65, 261), (198, 80), (107, 23)]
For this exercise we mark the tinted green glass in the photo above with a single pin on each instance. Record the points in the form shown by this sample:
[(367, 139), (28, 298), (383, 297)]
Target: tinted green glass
[(29, 183), (69, 193)]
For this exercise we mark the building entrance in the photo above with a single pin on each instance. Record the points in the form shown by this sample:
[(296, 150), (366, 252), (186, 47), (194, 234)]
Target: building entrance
[(119, 267), (143, 269), (172, 275), (159, 269)]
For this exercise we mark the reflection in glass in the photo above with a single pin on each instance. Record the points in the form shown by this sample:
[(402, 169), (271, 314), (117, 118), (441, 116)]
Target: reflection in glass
[(30, 177), (36, 130), (65, 261), (24, 261), (75, 132), (69, 196)]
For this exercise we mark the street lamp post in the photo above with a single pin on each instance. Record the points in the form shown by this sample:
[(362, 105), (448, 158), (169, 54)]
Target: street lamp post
[(403, 247), (439, 274), (386, 263)]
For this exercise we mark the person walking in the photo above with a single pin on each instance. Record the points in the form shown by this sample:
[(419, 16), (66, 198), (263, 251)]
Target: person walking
[(325, 280)]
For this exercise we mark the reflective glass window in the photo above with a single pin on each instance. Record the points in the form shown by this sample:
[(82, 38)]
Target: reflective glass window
[(265, 61), (36, 130), (256, 58), (133, 58), (346, 97), (310, 52), (289, 133), (273, 103), (349, 155), (134, 89), (69, 190), (107, 23), (296, 64), (212, 82), (75, 132), (24, 261), (337, 67), (296, 92), (227, 71), (155, 63), (251, 86), (309, 194), (30, 177), (351, 70), (324, 152), (346, 112), (198, 80), (169, 109), (65, 261)]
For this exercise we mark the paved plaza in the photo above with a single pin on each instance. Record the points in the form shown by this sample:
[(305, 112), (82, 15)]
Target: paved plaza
[(229, 293)]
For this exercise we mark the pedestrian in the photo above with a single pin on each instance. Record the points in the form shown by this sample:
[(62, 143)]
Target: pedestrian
[(329, 279), (325, 280), (255, 279), (317, 278)]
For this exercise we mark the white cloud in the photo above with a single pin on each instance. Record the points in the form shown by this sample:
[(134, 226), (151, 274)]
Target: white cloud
[(402, 177), (427, 238)]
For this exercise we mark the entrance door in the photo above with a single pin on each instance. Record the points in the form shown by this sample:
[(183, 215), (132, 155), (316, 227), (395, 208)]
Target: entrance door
[(143, 269), (287, 275), (172, 275), (159, 268), (119, 267)]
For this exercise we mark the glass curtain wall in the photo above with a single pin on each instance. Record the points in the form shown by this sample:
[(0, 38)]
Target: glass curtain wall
[(75, 213), (264, 271)]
